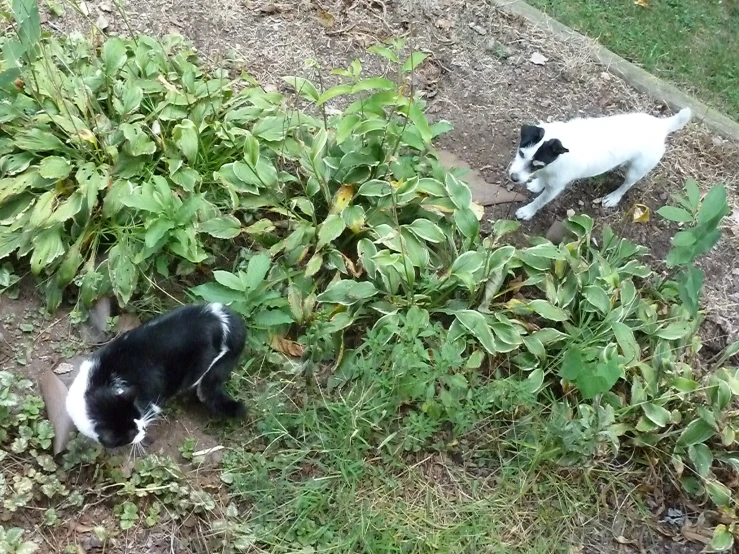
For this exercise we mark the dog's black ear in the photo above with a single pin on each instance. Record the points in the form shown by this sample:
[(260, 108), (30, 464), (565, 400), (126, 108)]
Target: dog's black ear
[(549, 151), (557, 147), (530, 135)]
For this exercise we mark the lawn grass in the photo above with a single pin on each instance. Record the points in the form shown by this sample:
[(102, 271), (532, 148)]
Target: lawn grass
[(692, 43)]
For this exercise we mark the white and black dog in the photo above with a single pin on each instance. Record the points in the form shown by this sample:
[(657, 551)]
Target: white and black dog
[(552, 155)]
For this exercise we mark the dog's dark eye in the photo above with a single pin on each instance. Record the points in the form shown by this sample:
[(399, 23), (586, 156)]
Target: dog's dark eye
[(520, 153)]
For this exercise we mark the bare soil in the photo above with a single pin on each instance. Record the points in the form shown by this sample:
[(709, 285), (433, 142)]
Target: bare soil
[(480, 78)]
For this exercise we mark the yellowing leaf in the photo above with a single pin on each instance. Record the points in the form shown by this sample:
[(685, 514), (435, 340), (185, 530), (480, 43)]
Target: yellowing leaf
[(641, 3), (640, 213), (478, 210), (342, 198), (87, 136)]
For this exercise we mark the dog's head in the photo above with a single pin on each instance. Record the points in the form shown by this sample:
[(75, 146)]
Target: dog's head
[(534, 153)]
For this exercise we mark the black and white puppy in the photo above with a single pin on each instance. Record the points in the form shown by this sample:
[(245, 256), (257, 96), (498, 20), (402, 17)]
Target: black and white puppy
[(552, 155), (121, 387)]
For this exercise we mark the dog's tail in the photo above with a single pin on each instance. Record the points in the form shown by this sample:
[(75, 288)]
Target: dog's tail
[(678, 121)]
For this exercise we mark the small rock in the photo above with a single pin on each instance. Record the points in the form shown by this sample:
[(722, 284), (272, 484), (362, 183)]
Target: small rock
[(478, 29), (717, 141), (83, 8), (580, 203), (444, 24), (570, 213), (557, 232), (538, 59), (90, 542), (605, 76), (102, 22), (105, 6)]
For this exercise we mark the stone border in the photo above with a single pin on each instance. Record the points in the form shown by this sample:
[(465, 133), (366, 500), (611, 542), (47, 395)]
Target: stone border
[(639, 79)]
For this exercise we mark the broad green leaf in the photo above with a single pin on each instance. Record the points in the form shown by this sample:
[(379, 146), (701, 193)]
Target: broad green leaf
[(314, 264), (373, 83), (130, 99), (223, 227), (333, 92), (156, 231), (185, 136), (722, 539), (38, 140), (346, 126), (573, 366), (123, 273), (347, 292), (507, 333), (54, 167), (476, 324), (42, 209), (418, 118), (678, 215), (719, 493), (697, 431), (303, 87), (626, 341), (272, 318), (270, 128), (694, 193), (67, 209), (330, 230), (426, 230), (257, 270), (459, 193), (657, 414), (229, 280), (714, 207), (690, 283), (548, 311), (684, 238), (596, 296), (215, 292), (385, 52), (375, 187), (467, 223), (674, 331), (469, 262), (113, 55), (601, 380), (319, 143), (701, 457), (414, 60), (251, 149), (47, 247)]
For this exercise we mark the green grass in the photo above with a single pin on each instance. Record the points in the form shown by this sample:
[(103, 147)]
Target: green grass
[(693, 43)]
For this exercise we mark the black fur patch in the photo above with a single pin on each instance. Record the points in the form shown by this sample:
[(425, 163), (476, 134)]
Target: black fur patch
[(168, 355), (547, 153), (530, 135)]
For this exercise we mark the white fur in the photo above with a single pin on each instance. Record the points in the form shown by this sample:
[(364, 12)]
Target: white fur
[(596, 145), (217, 310), (75, 402)]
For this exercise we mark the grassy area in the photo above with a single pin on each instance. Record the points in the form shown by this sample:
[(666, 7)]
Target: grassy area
[(693, 43)]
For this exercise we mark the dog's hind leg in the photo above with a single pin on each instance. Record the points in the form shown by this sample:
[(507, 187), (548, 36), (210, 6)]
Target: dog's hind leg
[(635, 172)]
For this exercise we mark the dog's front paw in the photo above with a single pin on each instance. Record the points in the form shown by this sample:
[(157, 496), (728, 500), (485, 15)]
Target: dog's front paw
[(535, 186), (525, 213), (611, 200)]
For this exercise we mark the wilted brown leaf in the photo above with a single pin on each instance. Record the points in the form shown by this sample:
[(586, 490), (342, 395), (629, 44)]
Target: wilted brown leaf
[(286, 346), (326, 19)]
